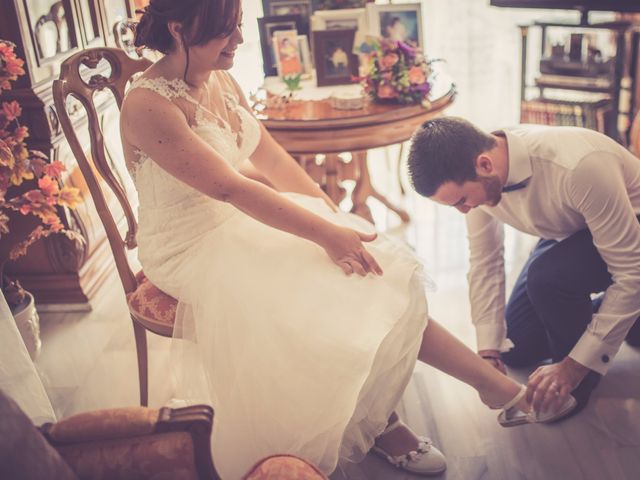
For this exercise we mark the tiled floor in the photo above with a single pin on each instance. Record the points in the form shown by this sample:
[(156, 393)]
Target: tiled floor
[(88, 362)]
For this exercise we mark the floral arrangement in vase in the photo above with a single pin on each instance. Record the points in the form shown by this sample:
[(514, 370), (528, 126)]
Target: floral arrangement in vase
[(29, 184), (394, 71)]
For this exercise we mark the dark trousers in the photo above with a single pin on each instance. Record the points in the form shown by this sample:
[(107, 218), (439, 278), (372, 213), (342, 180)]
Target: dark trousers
[(550, 306)]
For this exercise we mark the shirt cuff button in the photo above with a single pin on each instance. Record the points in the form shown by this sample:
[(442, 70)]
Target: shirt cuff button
[(605, 358)]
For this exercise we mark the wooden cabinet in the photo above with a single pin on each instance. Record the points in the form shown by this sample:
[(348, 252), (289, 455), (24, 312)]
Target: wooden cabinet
[(58, 271)]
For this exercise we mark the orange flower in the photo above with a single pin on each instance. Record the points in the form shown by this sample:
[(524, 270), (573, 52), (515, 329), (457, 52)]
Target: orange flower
[(21, 171), (6, 155), (11, 110), (35, 197), (416, 75), (386, 91), (20, 133), (54, 169), (69, 197), (389, 60), (48, 186), (14, 67)]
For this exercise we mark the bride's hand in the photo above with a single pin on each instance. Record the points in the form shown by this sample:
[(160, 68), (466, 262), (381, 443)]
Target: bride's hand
[(344, 246)]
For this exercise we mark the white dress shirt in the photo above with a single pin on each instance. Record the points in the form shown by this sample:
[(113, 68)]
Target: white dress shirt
[(577, 179)]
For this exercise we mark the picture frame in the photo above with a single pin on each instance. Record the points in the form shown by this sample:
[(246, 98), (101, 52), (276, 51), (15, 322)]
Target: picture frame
[(305, 55), (343, 19), (287, 52), (88, 16), (267, 26), (397, 21), (53, 28), (335, 62), (114, 12), (304, 8)]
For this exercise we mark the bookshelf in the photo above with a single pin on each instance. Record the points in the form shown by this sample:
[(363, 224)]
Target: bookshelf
[(584, 76)]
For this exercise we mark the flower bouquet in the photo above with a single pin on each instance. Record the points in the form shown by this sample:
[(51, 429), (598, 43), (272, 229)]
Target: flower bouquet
[(29, 184), (394, 71)]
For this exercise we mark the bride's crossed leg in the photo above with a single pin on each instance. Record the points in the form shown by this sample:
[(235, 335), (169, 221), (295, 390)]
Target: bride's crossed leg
[(445, 352)]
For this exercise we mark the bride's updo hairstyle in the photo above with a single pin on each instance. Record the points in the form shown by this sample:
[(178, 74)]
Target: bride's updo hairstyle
[(201, 20)]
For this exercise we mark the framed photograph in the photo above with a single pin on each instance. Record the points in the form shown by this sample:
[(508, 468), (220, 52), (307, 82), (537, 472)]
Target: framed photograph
[(115, 11), (304, 8), (401, 22), (305, 55), (267, 27), (52, 27), (288, 56), (334, 59), (348, 18)]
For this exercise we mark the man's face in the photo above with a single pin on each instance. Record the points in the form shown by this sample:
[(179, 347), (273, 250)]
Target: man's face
[(484, 190)]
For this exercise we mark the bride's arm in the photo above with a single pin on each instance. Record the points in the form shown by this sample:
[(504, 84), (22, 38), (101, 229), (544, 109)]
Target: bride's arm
[(275, 163), (159, 128), (282, 170)]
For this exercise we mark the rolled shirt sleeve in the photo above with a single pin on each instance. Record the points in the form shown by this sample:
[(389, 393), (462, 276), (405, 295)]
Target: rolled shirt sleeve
[(610, 217), (487, 280)]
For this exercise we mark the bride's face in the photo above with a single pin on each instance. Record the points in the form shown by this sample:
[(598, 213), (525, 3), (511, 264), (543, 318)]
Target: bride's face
[(217, 53)]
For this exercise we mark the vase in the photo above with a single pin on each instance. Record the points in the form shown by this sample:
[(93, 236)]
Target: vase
[(28, 323)]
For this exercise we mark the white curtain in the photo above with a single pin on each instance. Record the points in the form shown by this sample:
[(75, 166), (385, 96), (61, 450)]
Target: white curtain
[(18, 376)]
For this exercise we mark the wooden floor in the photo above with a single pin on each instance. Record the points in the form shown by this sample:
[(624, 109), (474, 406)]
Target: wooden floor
[(88, 362)]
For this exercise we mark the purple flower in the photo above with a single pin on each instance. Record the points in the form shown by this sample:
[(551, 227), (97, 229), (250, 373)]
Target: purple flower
[(407, 49)]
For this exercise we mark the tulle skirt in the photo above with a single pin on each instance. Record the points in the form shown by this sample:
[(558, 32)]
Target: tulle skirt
[(295, 356)]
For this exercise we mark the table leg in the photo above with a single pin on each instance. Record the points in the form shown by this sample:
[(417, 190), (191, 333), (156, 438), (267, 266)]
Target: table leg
[(364, 189)]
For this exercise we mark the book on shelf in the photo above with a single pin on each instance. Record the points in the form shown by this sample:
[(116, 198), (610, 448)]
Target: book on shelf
[(567, 81), (595, 114)]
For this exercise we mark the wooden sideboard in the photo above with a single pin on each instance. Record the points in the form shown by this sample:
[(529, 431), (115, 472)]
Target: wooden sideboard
[(56, 270)]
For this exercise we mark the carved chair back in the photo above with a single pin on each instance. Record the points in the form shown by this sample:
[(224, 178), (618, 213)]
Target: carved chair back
[(72, 83)]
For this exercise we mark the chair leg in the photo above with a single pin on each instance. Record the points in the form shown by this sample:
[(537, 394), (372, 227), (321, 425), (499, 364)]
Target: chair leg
[(141, 349)]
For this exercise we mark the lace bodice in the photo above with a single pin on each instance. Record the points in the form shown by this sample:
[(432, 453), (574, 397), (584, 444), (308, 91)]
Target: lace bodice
[(172, 215)]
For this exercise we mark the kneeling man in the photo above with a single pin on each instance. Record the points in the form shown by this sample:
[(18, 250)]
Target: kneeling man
[(579, 191)]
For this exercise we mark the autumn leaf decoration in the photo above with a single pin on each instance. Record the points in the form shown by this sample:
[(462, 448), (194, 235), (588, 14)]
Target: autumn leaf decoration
[(18, 164)]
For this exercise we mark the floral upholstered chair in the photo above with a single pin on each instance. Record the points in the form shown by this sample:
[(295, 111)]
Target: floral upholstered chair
[(284, 467), (115, 444), (134, 443)]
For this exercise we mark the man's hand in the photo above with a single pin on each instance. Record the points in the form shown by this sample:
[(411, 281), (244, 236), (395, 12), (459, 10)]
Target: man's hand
[(493, 357), (550, 385)]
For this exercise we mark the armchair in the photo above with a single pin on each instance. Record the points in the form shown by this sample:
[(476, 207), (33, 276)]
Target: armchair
[(133, 443)]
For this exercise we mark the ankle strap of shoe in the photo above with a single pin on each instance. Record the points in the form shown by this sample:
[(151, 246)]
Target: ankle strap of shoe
[(515, 400)]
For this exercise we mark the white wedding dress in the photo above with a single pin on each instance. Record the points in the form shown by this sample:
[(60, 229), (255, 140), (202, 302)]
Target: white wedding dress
[(295, 356)]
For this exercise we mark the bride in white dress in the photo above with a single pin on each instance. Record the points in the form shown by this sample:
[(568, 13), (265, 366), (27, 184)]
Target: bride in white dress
[(306, 324)]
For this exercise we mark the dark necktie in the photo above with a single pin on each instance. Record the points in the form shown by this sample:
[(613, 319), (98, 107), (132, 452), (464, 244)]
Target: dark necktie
[(515, 186)]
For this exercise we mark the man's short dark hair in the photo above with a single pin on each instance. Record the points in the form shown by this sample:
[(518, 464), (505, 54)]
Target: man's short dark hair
[(445, 150)]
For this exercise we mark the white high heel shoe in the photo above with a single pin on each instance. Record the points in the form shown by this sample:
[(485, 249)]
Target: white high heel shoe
[(425, 460), (511, 416)]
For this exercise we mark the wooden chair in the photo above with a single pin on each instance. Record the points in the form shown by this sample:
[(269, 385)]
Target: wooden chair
[(149, 308), (136, 442)]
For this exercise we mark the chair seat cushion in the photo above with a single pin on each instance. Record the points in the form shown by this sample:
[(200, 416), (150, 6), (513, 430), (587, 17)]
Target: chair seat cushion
[(152, 307), (284, 467)]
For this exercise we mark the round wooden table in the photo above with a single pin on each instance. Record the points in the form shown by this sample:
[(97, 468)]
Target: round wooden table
[(306, 128)]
